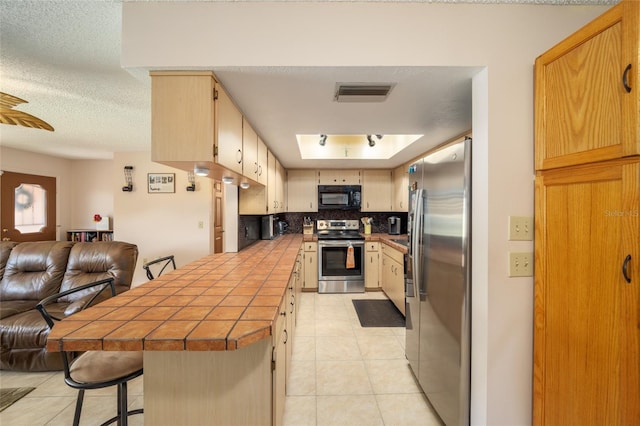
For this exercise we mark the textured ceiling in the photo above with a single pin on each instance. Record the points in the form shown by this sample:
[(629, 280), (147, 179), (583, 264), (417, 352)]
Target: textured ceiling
[(63, 57)]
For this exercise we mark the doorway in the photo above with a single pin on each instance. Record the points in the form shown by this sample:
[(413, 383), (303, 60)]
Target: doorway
[(218, 210), (28, 210)]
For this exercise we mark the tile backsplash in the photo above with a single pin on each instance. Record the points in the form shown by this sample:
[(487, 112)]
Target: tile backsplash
[(379, 225)]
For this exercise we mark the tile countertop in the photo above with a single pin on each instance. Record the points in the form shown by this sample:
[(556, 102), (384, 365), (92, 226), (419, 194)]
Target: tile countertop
[(219, 302)]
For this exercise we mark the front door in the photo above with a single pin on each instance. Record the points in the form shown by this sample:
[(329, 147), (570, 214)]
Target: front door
[(28, 210)]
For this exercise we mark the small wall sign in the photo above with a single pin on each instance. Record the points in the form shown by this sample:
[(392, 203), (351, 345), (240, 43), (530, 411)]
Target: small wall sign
[(161, 182)]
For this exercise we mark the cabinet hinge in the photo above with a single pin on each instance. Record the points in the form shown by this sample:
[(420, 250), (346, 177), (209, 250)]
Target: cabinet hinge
[(215, 150), (215, 94)]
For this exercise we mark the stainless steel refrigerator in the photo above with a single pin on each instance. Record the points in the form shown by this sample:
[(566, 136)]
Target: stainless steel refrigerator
[(438, 279)]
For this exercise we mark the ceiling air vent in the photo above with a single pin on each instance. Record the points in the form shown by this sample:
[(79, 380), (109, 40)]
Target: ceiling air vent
[(362, 92)]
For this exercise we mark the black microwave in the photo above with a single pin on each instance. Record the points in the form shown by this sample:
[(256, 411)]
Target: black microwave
[(341, 197)]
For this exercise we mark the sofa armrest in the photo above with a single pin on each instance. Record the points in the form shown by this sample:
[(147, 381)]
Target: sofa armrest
[(85, 302)]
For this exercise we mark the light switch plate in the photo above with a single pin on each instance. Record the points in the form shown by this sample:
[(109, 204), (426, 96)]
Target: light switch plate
[(520, 228), (521, 264)]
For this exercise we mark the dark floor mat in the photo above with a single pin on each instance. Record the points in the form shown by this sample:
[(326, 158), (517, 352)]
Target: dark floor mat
[(378, 313)]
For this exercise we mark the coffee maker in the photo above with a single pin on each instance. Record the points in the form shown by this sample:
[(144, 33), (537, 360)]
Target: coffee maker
[(394, 225)]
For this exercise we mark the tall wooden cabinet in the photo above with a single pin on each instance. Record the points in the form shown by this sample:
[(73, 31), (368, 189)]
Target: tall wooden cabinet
[(587, 226)]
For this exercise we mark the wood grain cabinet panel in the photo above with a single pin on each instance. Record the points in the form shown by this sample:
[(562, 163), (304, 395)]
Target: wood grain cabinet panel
[(587, 226), (586, 93), (586, 353)]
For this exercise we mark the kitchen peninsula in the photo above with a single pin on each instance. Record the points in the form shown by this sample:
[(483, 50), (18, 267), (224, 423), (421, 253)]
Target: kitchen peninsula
[(211, 335)]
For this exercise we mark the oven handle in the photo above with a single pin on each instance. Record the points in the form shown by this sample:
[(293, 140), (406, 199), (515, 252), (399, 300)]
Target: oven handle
[(340, 243)]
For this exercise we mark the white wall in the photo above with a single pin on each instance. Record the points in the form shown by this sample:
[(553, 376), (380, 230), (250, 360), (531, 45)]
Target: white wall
[(505, 39), (91, 192), (160, 224)]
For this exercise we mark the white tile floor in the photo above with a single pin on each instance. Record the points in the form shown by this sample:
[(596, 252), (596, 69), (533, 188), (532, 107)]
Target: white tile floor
[(341, 374)]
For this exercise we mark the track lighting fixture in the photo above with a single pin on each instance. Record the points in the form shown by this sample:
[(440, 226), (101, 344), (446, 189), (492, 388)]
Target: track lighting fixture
[(323, 140), (371, 141)]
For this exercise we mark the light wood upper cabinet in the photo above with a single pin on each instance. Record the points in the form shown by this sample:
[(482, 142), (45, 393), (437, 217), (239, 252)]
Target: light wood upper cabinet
[(583, 112), (586, 338), (302, 191), (229, 132), (182, 117), (376, 191), (262, 162), (195, 123), (400, 189), (339, 177), (279, 191), (250, 151)]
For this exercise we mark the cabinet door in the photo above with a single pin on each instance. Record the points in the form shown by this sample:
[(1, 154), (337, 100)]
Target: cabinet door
[(376, 191), (271, 182), (586, 347), (262, 162), (339, 177), (349, 177), (328, 177), (228, 132), (250, 151), (302, 191), (372, 267), (310, 265), (583, 113), (279, 368), (182, 112), (400, 189), (280, 191)]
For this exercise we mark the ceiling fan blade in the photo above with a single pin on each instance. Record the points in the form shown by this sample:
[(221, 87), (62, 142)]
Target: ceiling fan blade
[(15, 117), (9, 101)]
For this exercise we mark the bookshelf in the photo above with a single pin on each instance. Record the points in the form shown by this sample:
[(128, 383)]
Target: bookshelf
[(89, 235)]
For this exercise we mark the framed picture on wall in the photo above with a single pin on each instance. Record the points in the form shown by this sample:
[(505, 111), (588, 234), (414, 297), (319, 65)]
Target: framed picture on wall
[(161, 183)]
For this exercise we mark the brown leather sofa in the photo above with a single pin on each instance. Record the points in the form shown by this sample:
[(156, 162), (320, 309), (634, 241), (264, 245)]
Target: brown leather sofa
[(31, 271)]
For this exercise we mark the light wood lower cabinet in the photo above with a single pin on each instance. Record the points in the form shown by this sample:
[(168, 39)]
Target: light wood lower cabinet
[(587, 295), (372, 266), (310, 266), (393, 276)]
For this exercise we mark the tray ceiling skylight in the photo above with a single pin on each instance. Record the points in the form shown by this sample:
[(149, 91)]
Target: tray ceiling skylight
[(353, 147)]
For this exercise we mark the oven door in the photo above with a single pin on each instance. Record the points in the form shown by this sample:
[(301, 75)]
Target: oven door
[(333, 274)]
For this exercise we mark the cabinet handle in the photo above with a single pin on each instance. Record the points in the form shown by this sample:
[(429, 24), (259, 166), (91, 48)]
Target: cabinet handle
[(286, 336), (625, 78), (239, 159), (260, 170), (256, 172), (625, 271)]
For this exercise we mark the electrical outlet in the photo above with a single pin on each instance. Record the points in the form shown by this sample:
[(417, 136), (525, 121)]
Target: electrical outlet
[(200, 225), (521, 264), (520, 228)]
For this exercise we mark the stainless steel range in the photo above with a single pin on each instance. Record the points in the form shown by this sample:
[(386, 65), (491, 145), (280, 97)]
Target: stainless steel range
[(335, 274)]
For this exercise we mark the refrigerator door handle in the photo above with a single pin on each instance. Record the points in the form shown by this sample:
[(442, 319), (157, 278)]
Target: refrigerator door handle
[(416, 242)]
